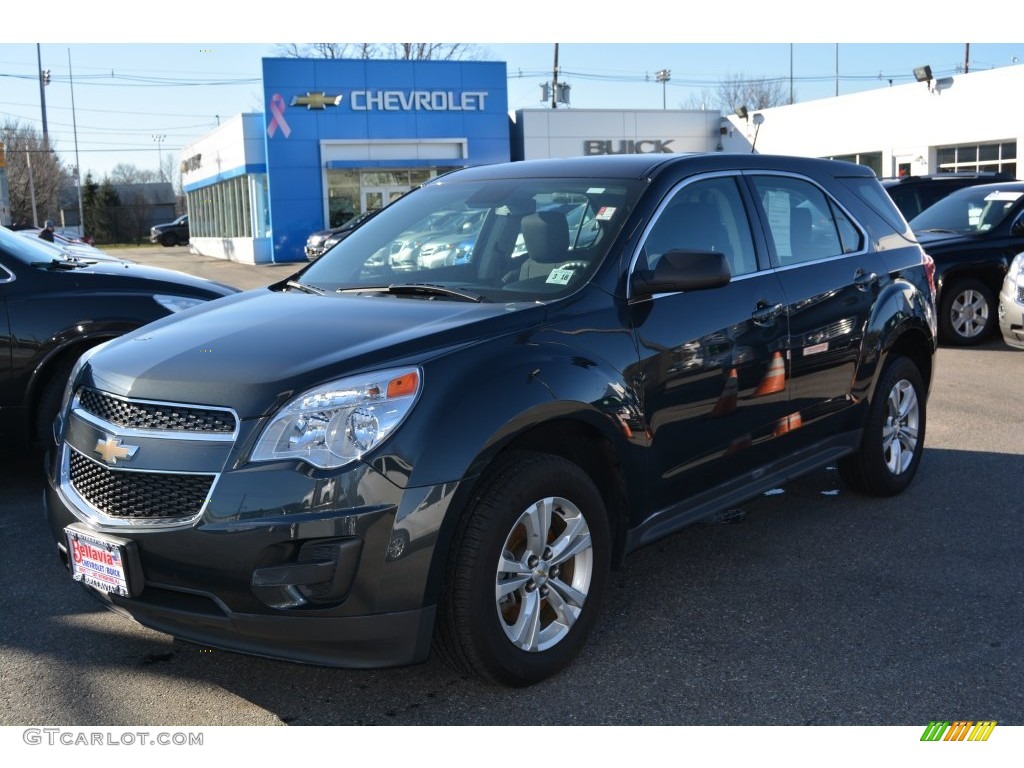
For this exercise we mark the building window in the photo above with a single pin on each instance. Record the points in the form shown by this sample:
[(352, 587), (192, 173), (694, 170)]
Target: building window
[(872, 160), (997, 156), (236, 207)]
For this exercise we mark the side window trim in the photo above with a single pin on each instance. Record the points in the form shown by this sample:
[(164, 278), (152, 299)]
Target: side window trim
[(762, 217)]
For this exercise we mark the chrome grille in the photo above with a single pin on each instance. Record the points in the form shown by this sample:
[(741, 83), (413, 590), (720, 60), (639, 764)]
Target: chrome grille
[(1020, 294), (139, 495), (133, 414)]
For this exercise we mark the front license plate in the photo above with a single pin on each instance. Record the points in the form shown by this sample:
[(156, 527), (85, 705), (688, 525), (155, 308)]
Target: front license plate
[(98, 561)]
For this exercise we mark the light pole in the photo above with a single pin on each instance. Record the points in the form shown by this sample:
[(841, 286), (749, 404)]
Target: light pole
[(663, 76), (159, 138)]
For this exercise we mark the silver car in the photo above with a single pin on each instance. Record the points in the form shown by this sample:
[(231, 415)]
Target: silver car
[(1011, 304)]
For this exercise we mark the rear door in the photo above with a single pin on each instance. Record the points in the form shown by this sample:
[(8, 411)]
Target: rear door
[(830, 277)]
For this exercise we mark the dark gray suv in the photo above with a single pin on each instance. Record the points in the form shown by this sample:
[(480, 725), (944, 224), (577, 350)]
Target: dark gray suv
[(362, 464)]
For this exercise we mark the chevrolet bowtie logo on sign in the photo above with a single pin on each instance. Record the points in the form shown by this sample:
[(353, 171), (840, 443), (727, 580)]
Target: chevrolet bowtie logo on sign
[(318, 100), (111, 450)]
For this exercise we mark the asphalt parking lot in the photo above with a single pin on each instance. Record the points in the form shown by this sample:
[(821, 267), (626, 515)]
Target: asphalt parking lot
[(820, 608)]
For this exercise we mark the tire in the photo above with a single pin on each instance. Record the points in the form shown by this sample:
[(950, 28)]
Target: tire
[(518, 605), (49, 402), (893, 440), (168, 239), (967, 313)]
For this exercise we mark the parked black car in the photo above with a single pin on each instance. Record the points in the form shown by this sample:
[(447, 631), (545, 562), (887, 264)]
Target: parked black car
[(360, 464), (318, 243), (912, 194), (973, 235), (172, 233), (54, 306)]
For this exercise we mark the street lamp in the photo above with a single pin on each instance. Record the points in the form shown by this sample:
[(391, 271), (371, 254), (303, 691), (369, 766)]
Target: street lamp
[(663, 76), (159, 138)]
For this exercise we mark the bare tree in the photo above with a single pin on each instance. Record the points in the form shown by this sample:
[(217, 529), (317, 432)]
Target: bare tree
[(404, 51), (129, 173), (48, 175), (751, 92)]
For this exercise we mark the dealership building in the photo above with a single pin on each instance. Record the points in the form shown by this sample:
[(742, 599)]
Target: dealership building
[(340, 137)]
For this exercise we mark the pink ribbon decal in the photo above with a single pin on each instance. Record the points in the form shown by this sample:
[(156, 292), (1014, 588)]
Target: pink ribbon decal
[(277, 109)]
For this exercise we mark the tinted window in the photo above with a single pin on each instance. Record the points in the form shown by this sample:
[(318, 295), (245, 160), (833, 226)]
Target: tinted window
[(972, 210), (26, 249), (706, 215), (803, 223)]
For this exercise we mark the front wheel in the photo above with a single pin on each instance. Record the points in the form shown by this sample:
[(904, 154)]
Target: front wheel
[(529, 569), (168, 239), (893, 440)]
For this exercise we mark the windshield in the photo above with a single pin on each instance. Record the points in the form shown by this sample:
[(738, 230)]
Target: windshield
[(28, 250), (494, 240), (969, 211)]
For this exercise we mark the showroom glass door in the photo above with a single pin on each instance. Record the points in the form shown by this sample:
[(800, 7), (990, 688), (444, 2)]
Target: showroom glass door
[(375, 198)]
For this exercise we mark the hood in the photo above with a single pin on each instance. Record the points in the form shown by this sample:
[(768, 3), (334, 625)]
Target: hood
[(249, 351), (936, 240), (151, 279)]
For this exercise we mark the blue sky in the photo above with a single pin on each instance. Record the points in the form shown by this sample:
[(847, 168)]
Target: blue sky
[(128, 91)]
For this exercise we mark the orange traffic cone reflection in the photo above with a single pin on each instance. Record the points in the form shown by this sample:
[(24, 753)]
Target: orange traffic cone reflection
[(727, 402), (775, 379)]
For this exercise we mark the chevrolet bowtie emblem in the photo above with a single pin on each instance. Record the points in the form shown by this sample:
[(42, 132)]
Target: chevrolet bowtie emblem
[(111, 450), (316, 100)]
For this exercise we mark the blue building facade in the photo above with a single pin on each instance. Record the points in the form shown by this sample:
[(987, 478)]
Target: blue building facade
[(344, 137)]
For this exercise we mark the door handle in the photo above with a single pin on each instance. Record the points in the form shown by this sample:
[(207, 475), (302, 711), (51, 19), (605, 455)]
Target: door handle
[(864, 280), (766, 314)]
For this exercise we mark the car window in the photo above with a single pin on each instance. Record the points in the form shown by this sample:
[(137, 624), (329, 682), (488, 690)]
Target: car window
[(803, 223), (704, 215)]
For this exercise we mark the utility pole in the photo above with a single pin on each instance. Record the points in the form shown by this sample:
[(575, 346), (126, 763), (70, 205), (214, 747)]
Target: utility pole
[(159, 139), (44, 80), (554, 82), (967, 56), (78, 165), (663, 76)]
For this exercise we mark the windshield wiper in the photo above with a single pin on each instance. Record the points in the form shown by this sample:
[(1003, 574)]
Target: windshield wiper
[(305, 288), (417, 289), (942, 230)]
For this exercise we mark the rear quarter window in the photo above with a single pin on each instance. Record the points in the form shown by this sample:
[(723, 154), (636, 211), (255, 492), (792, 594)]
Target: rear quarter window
[(872, 193)]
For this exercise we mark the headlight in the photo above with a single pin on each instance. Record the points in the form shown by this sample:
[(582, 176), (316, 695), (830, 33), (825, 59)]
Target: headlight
[(177, 303), (1017, 266), (339, 422)]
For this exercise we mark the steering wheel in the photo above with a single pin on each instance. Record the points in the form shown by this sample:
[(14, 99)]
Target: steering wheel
[(574, 265)]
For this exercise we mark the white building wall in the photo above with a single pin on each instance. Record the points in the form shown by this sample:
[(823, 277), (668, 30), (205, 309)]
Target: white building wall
[(906, 123), (234, 144), (543, 133)]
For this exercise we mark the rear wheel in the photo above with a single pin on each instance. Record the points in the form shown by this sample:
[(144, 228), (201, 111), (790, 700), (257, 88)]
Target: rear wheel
[(529, 568), (967, 314), (893, 439)]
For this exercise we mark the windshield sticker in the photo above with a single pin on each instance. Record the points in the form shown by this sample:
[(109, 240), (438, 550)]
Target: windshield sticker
[(595, 190), (1004, 196), (560, 276), (605, 213)]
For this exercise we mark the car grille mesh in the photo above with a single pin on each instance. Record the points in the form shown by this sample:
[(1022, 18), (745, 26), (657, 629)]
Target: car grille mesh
[(1020, 294), (163, 416), (139, 495)]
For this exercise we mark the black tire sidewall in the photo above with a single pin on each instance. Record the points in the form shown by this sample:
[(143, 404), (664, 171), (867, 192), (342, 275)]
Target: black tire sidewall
[(877, 473)]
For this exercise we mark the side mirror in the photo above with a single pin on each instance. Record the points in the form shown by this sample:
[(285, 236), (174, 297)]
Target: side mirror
[(683, 271)]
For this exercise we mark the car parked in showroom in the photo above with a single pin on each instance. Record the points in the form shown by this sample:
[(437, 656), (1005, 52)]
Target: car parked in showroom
[(973, 234), (360, 464), (912, 194), (172, 233), (1011, 304), (54, 305)]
